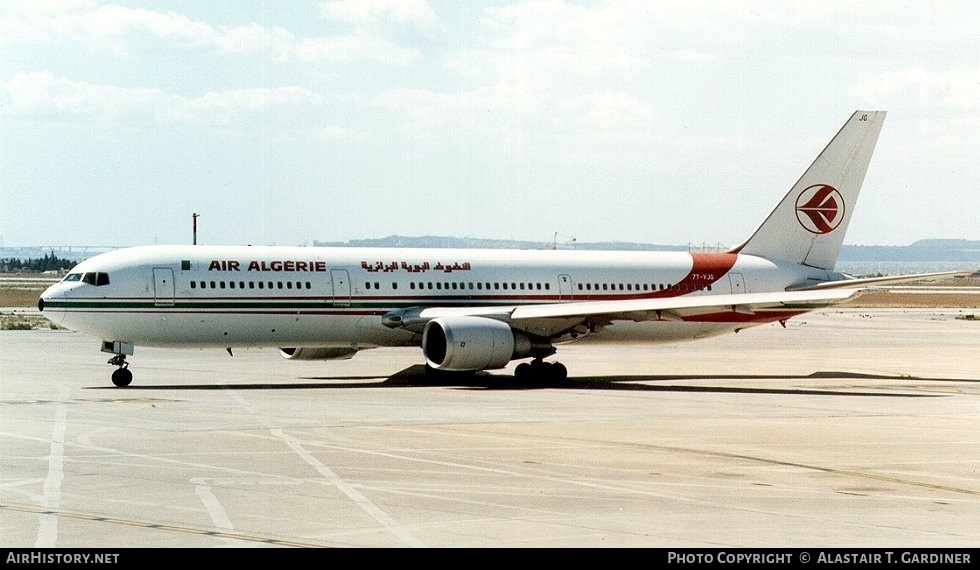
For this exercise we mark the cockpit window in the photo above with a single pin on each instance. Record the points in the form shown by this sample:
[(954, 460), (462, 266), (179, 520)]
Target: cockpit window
[(97, 279), (73, 277)]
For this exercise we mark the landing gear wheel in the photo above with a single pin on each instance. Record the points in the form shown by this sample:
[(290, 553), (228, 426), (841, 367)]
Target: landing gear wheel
[(547, 371), (558, 372), (122, 377)]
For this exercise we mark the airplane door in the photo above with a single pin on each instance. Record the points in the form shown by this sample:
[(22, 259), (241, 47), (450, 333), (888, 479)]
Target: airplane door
[(163, 287), (564, 288), (341, 287), (737, 281)]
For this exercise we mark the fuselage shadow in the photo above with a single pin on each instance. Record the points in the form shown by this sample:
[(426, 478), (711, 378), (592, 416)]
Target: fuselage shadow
[(417, 376)]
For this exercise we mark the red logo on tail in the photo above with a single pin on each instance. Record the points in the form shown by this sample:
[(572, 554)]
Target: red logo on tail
[(820, 209)]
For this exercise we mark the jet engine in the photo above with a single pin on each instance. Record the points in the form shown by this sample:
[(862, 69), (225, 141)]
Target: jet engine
[(318, 353), (476, 343)]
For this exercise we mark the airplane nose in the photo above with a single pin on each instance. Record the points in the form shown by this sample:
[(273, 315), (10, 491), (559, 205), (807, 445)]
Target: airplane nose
[(47, 298)]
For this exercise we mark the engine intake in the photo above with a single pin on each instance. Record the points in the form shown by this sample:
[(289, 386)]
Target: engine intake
[(476, 343)]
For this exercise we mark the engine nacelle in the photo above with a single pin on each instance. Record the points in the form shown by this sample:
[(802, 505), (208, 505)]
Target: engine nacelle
[(473, 343), (318, 353)]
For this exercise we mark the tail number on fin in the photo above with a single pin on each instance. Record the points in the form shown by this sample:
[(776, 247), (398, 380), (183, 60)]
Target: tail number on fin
[(820, 209)]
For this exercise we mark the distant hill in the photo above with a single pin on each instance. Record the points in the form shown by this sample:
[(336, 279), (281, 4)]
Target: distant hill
[(926, 250), (958, 250), (922, 250)]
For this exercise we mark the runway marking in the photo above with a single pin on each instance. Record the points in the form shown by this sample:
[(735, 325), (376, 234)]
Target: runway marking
[(702, 452), (217, 513), (348, 489), (142, 524), (47, 525), (342, 485)]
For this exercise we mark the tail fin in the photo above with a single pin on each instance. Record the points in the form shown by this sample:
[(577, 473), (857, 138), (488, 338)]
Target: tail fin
[(808, 225)]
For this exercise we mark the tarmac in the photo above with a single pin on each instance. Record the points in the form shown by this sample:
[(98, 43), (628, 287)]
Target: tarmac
[(846, 428)]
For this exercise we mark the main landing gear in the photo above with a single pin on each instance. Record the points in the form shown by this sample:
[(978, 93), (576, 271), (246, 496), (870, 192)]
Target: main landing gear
[(538, 369)]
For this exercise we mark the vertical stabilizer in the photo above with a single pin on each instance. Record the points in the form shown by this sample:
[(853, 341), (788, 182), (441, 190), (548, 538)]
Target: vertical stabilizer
[(809, 224)]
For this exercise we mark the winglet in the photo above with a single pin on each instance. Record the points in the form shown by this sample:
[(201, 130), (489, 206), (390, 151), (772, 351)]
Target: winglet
[(809, 224)]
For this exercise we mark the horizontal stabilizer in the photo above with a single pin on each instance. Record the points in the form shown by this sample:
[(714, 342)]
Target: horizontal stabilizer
[(889, 280)]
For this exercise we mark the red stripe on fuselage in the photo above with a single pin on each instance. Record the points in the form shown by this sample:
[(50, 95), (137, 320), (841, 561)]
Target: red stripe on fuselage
[(707, 269)]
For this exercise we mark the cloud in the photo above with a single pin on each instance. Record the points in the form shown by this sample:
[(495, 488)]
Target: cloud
[(399, 11), (289, 104), (86, 22), (560, 70), (115, 28), (41, 93), (339, 49), (951, 89)]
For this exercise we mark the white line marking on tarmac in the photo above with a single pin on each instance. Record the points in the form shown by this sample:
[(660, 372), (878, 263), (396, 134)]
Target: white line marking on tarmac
[(47, 525), (217, 513), (365, 504), (346, 488)]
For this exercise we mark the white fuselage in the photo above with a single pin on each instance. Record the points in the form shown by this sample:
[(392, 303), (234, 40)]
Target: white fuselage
[(230, 296)]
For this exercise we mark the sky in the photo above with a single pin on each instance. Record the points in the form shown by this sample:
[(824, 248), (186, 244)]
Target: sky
[(287, 122)]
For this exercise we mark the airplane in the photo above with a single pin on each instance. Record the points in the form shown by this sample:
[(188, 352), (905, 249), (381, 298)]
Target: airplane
[(471, 309)]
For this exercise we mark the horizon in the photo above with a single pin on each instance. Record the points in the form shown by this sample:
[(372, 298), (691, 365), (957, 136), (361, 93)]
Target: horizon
[(545, 244)]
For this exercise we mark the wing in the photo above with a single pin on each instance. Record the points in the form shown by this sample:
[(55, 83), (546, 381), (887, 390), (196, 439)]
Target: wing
[(554, 318)]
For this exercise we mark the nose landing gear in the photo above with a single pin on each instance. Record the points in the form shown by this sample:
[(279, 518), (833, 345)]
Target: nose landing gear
[(121, 377)]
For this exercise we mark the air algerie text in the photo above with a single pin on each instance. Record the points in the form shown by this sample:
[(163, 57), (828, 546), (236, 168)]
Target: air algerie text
[(276, 265)]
